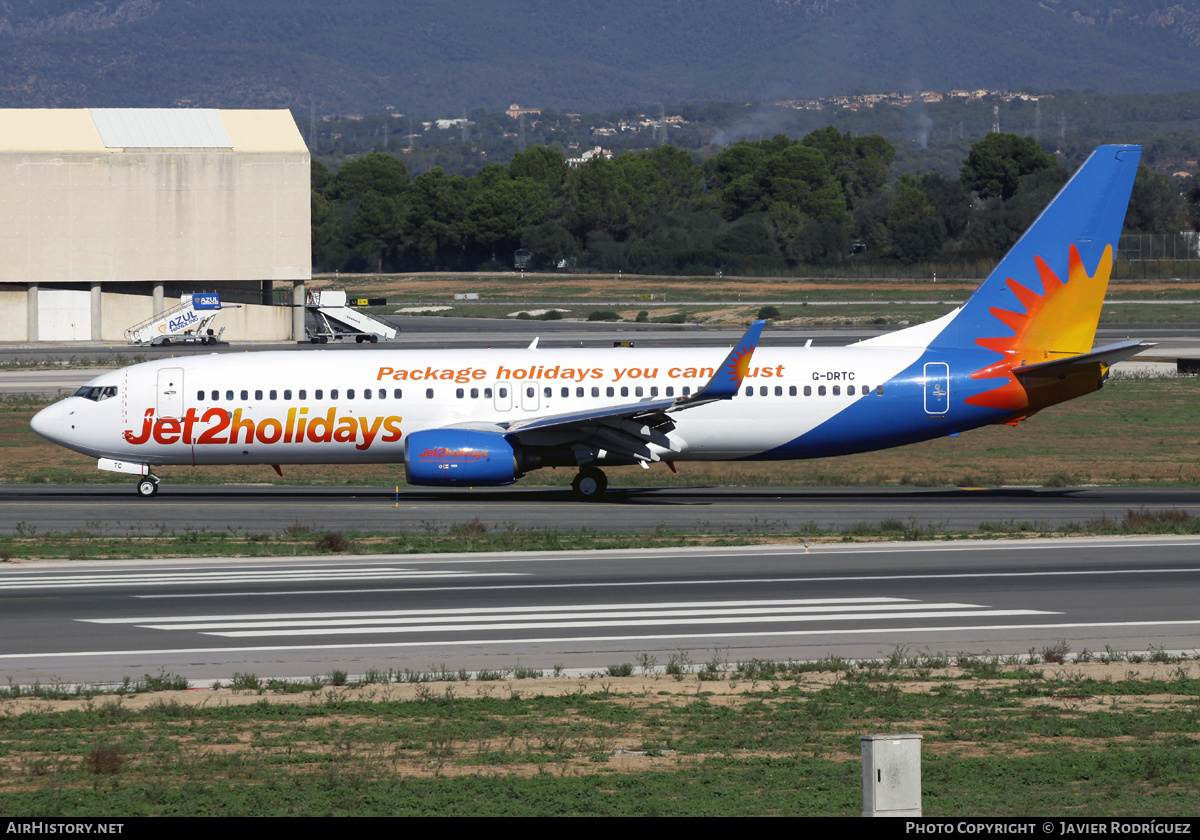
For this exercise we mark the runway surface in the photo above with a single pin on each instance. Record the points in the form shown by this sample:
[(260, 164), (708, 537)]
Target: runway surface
[(115, 509), (585, 610)]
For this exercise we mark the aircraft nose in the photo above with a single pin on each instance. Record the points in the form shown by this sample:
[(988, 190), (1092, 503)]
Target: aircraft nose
[(49, 422)]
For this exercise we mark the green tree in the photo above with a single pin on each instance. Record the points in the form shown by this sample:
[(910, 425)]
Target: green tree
[(542, 164), (917, 232), (376, 231), (997, 163), (435, 206), (383, 173), (326, 229), (1154, 205)]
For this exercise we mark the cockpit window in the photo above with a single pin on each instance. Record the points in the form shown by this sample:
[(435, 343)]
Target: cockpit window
[(97, 393)]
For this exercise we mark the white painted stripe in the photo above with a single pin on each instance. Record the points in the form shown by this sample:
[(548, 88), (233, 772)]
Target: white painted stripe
[(708, 582), (470, 611), (181, 580), (648, 622), (891, 632), (559, 616)]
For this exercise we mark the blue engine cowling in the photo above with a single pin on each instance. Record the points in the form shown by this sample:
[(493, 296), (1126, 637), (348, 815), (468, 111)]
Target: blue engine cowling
[(459, 458)]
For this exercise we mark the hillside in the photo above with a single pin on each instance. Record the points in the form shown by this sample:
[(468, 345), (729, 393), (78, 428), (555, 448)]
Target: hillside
[(431, 57)]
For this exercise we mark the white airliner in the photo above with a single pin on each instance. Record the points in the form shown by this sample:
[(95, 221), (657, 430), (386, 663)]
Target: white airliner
[(476, 418)]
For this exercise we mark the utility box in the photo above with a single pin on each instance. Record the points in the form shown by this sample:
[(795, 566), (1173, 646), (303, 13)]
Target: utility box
[(891, 766)]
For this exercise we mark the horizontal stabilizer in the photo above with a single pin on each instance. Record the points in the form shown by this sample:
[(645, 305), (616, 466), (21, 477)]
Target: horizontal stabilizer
[(1107, 355)]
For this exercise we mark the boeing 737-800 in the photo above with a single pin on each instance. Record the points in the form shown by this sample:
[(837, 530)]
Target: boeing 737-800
[(475, 418)]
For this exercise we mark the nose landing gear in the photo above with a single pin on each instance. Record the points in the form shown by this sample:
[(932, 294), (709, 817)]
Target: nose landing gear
[(147, 486)]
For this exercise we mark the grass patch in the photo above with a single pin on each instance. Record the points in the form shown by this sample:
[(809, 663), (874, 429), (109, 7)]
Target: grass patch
[(1001, 738)]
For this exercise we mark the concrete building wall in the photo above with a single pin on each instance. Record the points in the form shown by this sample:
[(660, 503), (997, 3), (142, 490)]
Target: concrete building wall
[(76, 213), (14, 318), (205, 217)]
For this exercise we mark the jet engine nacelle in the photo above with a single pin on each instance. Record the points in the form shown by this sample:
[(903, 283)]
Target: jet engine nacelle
[(459, 458)]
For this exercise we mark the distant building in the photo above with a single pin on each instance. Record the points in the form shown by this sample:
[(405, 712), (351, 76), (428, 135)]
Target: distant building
[(588, 155), (515, 110), (110, 213)]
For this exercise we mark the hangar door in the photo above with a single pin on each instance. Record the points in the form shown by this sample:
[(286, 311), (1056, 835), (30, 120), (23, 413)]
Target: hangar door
[(64, 315)]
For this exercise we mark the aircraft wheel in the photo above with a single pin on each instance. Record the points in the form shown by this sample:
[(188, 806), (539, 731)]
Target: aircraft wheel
[(590, 484), (147, 487)]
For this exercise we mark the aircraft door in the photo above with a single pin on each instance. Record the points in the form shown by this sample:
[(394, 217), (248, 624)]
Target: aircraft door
[(529, 396), (170, 392), (503, 396), (937, 388)]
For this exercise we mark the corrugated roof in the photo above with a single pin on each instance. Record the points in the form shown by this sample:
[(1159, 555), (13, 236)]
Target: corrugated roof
[(161, 128)]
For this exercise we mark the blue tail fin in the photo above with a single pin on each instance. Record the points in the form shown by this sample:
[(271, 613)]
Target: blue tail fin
[(1043, 300)]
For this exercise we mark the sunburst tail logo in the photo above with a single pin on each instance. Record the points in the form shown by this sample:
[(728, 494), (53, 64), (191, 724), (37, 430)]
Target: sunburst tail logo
[(738, 365), (1057, 323)]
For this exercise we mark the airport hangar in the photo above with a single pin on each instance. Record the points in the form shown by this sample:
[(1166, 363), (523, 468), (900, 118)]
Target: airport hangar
[(108, 215)]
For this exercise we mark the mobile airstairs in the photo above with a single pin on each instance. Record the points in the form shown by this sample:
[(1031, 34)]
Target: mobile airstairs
[(334, 319), (188, 322)]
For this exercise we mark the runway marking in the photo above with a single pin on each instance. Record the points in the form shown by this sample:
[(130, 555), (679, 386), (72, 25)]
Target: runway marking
[(710, 582), (891, 631), (564, 617), (460, 611), (237, 577)]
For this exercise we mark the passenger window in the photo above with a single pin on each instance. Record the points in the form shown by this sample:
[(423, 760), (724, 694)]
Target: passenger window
[(762, 390), (349, 393), (274, 395), (850, 391), (229, 395), (654, 390), (549, 392), (687, 390), (200, 396), (258, 395), (624, 391), (319, 394), (474, 393), (749, 391), (303, 394), (837, 390), (366, 393), (637, 392), (595, 391), (879, 390), (808, 390), (287, 394), (609, 391), (820, 390), (245, 395), (397, 394), (487, 393), (459, 392), (383, 393), (670, 390), (579, 391), (428, 393), (530, 391), (503, 393), (791, 390), (779, 390), (333, 393), (566, 392)]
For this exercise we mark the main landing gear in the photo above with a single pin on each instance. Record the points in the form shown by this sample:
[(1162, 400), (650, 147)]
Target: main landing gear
[(147, 486), (590, 484)]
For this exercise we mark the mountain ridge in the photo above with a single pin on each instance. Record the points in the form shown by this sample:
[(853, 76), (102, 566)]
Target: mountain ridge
[(425, 57)]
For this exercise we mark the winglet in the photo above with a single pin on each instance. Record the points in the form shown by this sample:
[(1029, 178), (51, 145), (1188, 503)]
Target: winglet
[(728, 377)]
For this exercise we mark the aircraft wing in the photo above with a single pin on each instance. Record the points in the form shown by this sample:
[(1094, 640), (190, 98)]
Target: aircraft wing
[(632, 428), (1107, 355)]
